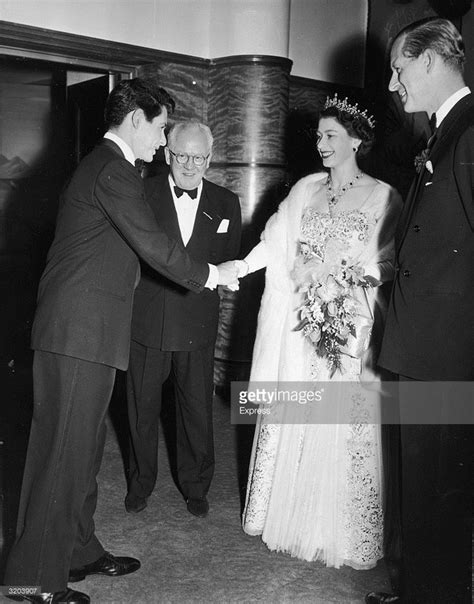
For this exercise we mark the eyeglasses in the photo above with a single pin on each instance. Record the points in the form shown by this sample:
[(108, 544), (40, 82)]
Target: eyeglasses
[(183, 158)]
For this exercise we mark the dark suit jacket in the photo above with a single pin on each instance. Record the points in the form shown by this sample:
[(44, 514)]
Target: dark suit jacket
[(165, 315), (429, 333), (86, 291)]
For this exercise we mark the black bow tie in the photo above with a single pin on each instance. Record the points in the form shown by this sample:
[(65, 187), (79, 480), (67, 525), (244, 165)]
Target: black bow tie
[(179, 191)]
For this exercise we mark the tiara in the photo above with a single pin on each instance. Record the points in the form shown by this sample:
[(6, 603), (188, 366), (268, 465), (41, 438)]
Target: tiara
[(348, 108)]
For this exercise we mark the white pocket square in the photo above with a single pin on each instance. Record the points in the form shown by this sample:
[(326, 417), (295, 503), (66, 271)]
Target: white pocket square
[(224, 226)]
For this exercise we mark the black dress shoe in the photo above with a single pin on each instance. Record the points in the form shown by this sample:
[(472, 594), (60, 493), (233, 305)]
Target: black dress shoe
[(135, 504), (380, 597), (69, 595), (112, 566), (198, 507)]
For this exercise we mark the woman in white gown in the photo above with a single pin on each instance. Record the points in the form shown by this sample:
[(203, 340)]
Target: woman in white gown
[(315, 490)]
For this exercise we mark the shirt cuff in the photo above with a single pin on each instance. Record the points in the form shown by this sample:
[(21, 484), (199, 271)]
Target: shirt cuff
[(213, 278)]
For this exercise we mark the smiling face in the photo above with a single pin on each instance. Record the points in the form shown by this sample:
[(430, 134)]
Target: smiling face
[(335, 145), (190, 141), (409, 79), (148, 136)]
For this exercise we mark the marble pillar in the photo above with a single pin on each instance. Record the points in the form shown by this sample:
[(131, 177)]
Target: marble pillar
[(247, 112)]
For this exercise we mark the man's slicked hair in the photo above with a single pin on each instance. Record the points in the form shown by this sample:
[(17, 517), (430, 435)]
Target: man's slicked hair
[(138, 93), (438, 35)]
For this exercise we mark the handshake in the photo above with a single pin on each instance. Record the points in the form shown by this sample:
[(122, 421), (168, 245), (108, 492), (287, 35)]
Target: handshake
[(230, 272)]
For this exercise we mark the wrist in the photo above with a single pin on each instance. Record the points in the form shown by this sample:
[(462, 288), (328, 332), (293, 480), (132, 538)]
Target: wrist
[(242, 267)]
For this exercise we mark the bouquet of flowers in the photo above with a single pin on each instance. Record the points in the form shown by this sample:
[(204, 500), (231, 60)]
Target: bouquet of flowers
[(330, 313)]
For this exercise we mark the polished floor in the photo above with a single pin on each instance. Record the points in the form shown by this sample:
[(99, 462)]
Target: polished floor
[(184, 559)]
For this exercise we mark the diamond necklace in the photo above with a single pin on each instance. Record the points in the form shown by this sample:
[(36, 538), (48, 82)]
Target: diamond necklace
[(333, 197)]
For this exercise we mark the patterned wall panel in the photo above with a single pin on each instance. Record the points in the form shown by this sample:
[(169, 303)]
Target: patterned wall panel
[(188, 84), (248, 106), (308, 95)]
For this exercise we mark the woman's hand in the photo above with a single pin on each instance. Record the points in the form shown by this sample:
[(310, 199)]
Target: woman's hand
[(372, 281)]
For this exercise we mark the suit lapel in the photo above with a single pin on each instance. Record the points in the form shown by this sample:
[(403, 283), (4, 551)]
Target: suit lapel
[(417, 185), (161, 200), (412, 193), (451, 127), (207, 219)]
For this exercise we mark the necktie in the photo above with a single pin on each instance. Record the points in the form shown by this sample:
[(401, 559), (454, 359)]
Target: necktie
[(191, 192), (433, 131)]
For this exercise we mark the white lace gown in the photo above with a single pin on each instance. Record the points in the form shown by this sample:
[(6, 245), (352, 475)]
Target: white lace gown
[(315, 491)]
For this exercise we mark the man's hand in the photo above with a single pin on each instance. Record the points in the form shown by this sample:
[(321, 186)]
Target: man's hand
[(228, 273)]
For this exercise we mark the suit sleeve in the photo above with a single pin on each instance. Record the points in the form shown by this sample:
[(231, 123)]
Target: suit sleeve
[(120, 193)]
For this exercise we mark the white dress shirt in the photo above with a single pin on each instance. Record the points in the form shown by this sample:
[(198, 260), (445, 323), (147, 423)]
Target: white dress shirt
[(186, 208), (449, 104)]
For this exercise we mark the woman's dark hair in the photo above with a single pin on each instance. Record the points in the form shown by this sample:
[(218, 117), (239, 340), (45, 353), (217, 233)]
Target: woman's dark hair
[(356, 126), (138, 93), (436, 34)]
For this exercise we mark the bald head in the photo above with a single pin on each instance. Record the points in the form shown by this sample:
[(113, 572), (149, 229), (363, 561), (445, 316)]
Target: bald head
[(188, 153)]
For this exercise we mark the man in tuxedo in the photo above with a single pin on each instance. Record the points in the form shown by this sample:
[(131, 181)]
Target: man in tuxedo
[(174, 330), (81, 336), (429, 333)]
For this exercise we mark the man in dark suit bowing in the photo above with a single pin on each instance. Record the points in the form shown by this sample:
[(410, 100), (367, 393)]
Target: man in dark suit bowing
[(429, 332), (174, 330), (81, 336)]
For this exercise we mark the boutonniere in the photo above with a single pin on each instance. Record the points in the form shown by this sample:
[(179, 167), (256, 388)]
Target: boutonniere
[(421, 161)]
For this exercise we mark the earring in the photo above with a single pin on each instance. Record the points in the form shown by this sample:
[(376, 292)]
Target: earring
[(355, 149)]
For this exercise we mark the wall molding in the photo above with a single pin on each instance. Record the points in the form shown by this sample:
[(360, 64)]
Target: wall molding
[(266, 60), (46, 44)]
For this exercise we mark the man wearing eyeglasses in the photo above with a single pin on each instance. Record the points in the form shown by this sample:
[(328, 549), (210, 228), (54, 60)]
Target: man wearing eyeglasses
[(173, 330)]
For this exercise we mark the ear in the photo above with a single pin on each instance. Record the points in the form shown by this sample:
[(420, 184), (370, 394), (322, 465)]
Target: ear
[(167, 155), (356, 142), (208, 161), (137, 117), (429, 59)]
